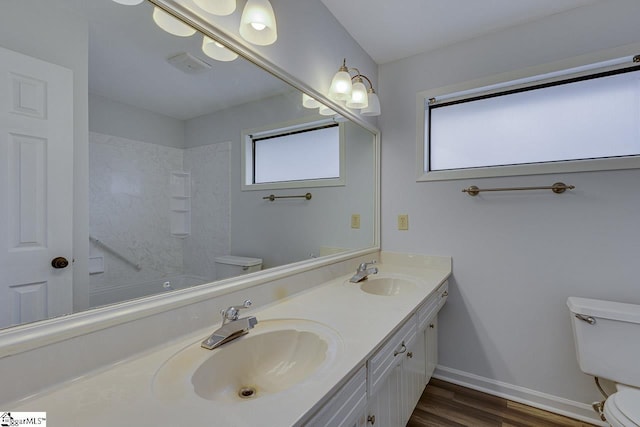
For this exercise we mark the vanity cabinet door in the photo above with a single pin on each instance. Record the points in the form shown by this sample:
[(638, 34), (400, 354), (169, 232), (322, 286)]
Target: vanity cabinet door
[(431, 346), (385, 406), (414, 374), (347, 406)]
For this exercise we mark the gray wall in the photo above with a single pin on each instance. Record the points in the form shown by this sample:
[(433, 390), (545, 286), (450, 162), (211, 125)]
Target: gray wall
[(516, 256), (114, 118), (288, 231)]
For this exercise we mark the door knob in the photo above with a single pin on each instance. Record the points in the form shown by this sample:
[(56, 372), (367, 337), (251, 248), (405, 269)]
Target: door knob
[(59, 262)]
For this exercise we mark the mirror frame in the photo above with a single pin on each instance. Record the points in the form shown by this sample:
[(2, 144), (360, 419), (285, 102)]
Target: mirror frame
[(21, 338)]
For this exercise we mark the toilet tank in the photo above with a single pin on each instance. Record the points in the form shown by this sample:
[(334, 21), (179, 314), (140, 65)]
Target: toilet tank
[(231, 266), (607, 339)]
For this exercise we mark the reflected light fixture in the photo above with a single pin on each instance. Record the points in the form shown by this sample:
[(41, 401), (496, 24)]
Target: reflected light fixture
[(217, 7), (309, 102), (351, 90), (326, 111), (170, 24), (129, 2), (258, 23), (217, 50)]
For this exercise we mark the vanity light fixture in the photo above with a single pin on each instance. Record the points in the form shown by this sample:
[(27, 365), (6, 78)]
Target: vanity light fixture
[(258, 23), (217, 7), (129, 2), (217, 50), (170, 24), (351, 90)]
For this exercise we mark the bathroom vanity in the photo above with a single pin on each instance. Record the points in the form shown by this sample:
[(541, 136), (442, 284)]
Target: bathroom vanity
[(336, 354)]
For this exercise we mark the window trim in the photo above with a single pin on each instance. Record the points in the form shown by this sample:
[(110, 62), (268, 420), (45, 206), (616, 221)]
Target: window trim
[(549, 74), (281, 129)]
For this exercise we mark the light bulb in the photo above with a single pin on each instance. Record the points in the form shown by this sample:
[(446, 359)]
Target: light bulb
[(309, 102), (373, 109), (340, 89), (129, 2), (171, 24), (326, 111), (358, 95), (216, 50), (258, 23), (217, 7)]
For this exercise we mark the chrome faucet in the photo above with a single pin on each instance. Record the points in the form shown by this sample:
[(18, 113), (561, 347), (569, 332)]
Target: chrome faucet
[(363, 272), (231, 328)]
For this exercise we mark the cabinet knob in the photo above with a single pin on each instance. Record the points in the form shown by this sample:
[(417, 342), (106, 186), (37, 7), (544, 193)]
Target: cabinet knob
[(371, 419), (431, 325), (445, 293), (410, 355)]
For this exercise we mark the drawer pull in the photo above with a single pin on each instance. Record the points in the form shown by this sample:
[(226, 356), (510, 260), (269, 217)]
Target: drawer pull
[(445, 293), (431, 325), (403, 349), (371, 419), (410, 355)]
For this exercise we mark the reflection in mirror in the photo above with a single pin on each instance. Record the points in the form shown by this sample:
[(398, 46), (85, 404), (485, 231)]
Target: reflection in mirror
[(164, 125)]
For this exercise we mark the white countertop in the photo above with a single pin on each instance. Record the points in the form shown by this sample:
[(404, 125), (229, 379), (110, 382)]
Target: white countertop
[(122, 394)]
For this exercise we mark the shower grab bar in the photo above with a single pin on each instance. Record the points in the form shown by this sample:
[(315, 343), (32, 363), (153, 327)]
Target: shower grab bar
[(115, 252), (558, 188), (272, 197)]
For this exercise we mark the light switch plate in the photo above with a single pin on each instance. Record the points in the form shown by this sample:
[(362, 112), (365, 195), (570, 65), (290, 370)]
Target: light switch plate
[(403, 222), (355, 221)]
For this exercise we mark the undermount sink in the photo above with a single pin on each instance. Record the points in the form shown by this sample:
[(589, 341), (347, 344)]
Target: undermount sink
[(387, 286), (275, 356)]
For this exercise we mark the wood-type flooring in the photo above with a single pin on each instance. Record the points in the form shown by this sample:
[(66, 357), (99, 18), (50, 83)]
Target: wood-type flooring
[(448, 405)]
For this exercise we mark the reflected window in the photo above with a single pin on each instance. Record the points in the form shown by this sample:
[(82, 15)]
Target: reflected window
[(310, 154)]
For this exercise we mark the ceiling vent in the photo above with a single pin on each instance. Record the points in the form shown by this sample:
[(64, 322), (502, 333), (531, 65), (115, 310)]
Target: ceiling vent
[(188, 63)]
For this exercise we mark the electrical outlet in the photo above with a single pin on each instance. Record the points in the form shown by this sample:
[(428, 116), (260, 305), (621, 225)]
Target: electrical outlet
[(355, 221), (403, 222)]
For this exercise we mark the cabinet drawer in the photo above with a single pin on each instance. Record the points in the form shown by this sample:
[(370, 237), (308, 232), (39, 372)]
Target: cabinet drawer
[(432, 305), (345, 406), (381, 364)]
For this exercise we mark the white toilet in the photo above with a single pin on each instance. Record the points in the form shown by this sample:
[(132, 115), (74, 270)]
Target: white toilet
[(231, 266), (607, 339)]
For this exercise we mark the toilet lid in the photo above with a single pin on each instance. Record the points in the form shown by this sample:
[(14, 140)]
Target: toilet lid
[(624, 406)]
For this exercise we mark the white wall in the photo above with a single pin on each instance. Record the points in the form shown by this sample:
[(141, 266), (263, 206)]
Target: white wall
[(517, 256)]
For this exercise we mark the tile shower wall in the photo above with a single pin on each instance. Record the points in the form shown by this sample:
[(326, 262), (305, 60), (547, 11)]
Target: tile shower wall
[(130, 207), (210, 207)]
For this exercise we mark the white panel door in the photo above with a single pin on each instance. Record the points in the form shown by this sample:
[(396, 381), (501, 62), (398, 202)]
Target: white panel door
[(36, 188)]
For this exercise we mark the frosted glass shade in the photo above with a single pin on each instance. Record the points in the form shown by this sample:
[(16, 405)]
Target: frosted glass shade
[(373, 109), (216, 50), (129, 2), (217, 7), (326, 111), (309, 102), (258, 23), (170, 24), (358, 95), (340, 89)]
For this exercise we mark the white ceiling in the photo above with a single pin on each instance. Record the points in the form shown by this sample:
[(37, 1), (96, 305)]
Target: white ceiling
[(393, 29), (128, 63)]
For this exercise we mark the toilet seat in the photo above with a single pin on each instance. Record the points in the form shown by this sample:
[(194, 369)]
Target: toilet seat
[(622, 409)]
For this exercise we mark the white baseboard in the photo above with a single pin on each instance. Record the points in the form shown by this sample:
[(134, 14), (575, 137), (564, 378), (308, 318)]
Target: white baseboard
[(544, 401)]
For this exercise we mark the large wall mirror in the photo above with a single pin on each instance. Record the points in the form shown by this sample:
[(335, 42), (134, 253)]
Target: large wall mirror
[(96, 95)]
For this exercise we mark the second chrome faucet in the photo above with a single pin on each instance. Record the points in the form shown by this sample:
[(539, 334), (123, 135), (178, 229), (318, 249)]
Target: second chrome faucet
[(363, 272)]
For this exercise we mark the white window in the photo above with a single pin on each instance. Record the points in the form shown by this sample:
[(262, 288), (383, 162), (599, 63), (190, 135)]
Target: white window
[(300, 155), (589, 122)]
